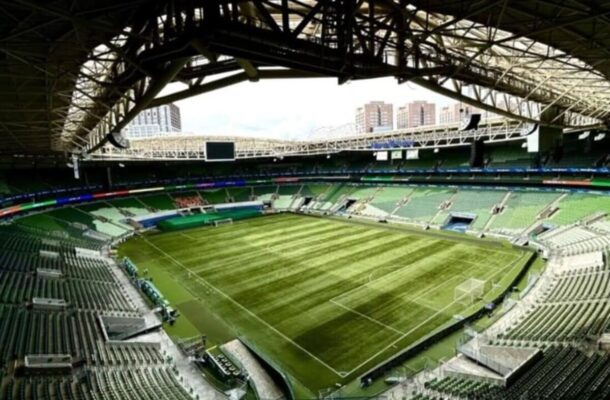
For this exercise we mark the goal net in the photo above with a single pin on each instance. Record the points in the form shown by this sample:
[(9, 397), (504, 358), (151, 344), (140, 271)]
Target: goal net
[(226, 221), (469, 291)]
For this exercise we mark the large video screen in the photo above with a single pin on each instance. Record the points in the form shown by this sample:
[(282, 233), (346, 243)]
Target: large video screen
[(220, 151)]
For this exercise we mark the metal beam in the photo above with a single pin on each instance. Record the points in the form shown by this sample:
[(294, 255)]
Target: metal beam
[(155, 88), (229, 81)]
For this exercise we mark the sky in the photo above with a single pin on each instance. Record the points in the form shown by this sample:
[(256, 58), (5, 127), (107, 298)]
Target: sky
[(291, 108)]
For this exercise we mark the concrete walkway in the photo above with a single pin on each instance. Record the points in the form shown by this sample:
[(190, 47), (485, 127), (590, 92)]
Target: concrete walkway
[(190, 376), (265, 386)]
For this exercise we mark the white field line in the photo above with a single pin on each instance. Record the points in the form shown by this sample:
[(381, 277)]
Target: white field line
[(468, 276), (518, 258), (417, 298), (399, 270), (374, 280), (367, 317), (342, 374), (284, 250), (243, 308), (187, 236), (400, 338), (419, 325)]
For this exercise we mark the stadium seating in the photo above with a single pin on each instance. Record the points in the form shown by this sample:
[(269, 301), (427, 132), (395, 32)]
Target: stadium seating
[(214, 196), (574, 309), (240, 194), (577, 239), (265, 193), (521, 210), (73, 215), (314, 190), (157, 202), (112, 214), (106, 219), (188, 200), (476, 202), (288, 190), (578, 206), (509, 156), (570, 236), (336, 193), (134, 370), (283, 202), (130, 206), (562, 373), (423, 204), (364, 192), (388, 198)]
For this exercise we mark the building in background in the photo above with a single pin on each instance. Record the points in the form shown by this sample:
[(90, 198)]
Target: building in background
[(375, 116), (155, 121), (416, 113), (456, 112)]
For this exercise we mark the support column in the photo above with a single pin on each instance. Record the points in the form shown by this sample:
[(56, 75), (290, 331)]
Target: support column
[(549, 139), (108, 180)]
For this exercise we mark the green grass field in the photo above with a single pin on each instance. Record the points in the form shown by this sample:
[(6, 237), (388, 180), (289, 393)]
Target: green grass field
[(325, 299)]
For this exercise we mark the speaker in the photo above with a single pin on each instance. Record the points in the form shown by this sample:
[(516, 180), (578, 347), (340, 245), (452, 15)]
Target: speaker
[(477, 154), (470, 123), (118, 140)]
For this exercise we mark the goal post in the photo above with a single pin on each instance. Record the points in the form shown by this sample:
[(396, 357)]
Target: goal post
[(225, 221), (470, 291)]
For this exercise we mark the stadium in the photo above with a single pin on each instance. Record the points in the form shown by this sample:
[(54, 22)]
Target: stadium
[(466, 259)]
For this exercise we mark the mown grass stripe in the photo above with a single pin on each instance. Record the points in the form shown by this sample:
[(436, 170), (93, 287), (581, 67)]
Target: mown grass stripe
[(278, 275), (245, 250), (296, 263)]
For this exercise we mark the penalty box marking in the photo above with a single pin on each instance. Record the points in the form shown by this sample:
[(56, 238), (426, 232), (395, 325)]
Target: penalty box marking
[(335, 300), (223, 294), (401, 337), (367, 317), (338, 373), (440, 311), (399, 270)]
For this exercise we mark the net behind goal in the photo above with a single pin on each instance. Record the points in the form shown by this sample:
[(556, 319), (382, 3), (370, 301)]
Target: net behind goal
[(470, 291), (226, 221)]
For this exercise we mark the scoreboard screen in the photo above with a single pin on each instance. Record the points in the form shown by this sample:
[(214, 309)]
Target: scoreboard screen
[(220, 151)]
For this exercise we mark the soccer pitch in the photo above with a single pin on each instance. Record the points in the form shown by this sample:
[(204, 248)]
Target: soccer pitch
[(324, 299)]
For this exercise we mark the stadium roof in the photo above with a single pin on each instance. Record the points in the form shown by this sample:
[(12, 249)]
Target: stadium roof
[(578, 28), (74, 71)]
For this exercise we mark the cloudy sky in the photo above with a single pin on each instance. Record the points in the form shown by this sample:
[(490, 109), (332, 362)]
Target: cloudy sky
[(290, 109)]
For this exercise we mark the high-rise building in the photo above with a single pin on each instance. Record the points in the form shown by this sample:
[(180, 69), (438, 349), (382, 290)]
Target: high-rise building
[(375, 116), (456, 112), (155, 121), (416, 113)]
